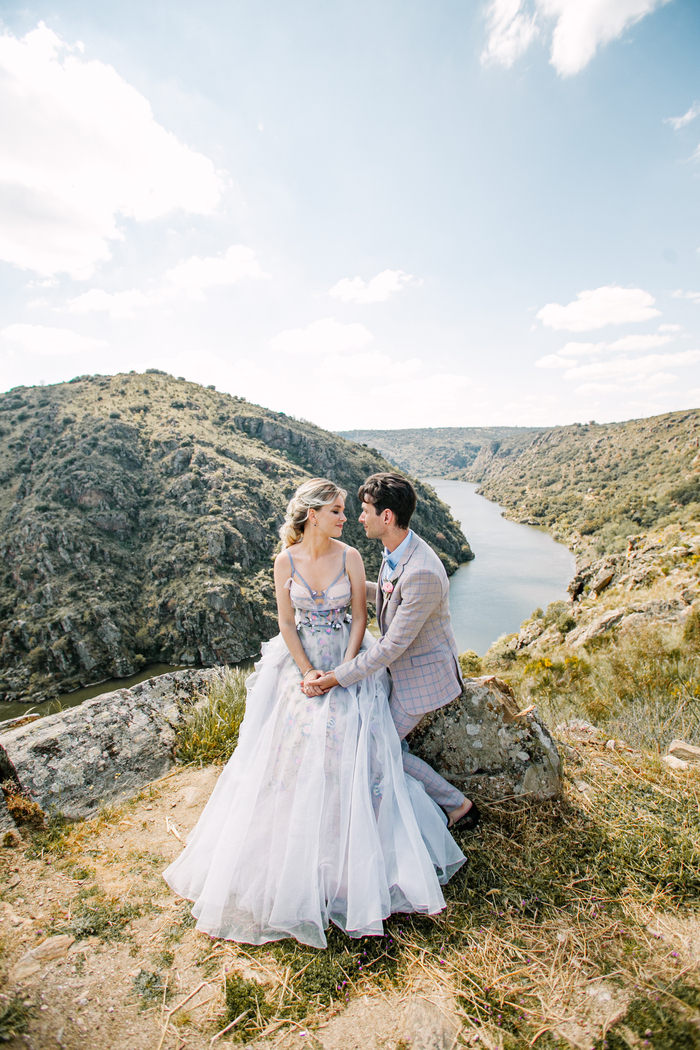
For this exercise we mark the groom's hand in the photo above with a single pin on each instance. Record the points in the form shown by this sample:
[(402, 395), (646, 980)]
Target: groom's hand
[(326, 682)]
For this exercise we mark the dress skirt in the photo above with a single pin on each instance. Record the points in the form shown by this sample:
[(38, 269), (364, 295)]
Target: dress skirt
[(313, 820)]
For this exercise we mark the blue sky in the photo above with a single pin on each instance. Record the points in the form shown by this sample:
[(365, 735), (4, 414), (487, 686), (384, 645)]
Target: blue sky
[(367, 214)]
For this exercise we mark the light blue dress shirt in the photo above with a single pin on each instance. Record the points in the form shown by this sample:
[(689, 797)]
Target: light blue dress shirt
[(391, 560)]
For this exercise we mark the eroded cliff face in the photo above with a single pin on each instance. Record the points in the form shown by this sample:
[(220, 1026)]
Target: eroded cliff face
[(139, 523)]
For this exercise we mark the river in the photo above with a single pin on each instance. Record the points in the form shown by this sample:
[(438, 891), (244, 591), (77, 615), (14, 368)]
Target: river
[(516, 568)]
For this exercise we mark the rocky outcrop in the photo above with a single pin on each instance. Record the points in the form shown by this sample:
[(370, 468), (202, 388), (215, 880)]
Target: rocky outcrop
[(484, 745), (105, 749), (109, 748), (139, 521)]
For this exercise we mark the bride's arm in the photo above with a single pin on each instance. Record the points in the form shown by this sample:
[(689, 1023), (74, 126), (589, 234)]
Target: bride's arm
[(356, 571), (285, 614)]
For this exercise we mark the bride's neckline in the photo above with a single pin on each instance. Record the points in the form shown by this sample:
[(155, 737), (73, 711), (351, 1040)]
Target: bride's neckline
[(321, 594)]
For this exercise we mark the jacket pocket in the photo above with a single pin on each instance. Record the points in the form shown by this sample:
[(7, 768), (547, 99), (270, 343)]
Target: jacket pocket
[(427, 658)]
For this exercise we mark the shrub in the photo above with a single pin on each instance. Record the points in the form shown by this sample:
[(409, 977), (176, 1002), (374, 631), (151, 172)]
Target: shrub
[(470, 664), (210, 734)]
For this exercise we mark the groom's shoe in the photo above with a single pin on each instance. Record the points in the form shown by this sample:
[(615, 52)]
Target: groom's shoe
[(467, 822)]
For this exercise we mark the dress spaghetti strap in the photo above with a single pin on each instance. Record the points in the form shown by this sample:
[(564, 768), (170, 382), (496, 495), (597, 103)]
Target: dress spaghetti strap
[(313, 593)]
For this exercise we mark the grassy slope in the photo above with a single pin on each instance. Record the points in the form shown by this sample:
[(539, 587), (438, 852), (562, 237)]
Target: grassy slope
[(139, 520)]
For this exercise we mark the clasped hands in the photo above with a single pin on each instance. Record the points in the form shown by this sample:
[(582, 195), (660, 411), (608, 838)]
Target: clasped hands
[(316, 683)]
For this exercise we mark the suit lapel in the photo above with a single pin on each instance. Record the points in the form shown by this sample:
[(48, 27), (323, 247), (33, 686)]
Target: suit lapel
[(395, 575), (380, 592)]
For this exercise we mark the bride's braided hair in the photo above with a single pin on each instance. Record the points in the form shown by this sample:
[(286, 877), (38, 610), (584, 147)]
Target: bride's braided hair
[(318, 492)]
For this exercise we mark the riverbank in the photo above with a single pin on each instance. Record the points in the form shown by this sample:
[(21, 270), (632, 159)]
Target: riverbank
[(516, 568)]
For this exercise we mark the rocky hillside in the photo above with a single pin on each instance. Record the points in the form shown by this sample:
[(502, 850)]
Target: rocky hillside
[(604, 482), (139, 517), (453, 452)]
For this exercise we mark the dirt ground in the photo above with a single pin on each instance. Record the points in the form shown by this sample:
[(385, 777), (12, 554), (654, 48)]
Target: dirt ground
[(162, 985), (138, 976)]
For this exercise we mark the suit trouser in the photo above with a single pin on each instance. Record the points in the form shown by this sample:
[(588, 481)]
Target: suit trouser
[(436, 786)]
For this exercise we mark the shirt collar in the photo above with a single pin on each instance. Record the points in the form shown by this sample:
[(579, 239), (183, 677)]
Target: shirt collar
[(392, 559)]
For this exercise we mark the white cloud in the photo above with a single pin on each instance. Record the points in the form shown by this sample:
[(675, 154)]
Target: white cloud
[(597, 388), (195, 274), (377, 290), (695, 296), (81, 148), (191, 276), (511, 31), (680, 122), (599, 307), (576, 349), (552, 361), (327, 336), (584, 25), (361, 366), (658, 379), (636, 368), (562, 358), (38, 339), (640, 342), (117, 304), (581, 27)]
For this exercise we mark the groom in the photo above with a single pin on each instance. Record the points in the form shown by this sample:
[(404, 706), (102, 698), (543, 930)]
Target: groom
[(416, 644)]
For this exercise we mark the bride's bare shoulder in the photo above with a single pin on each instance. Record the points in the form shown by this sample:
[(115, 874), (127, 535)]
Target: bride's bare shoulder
[(352, 555), (282, 563)]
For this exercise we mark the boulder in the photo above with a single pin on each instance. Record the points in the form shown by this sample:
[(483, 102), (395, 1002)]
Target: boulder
[(105, 749), (684, 751), (602, 580), (32, 961), (585, 632), (528, 633), (484, 745)]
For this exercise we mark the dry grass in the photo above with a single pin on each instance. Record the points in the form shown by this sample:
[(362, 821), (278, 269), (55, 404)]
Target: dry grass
[(574, 923), (571, 917), (642, 686), (211, 732)]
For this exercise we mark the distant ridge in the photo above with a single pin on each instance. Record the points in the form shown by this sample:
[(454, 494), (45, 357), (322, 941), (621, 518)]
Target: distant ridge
[(443, 451)]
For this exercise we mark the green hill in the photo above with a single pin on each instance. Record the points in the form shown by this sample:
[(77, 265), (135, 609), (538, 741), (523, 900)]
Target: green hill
[(601, 481), (604, 481), (139, 517)]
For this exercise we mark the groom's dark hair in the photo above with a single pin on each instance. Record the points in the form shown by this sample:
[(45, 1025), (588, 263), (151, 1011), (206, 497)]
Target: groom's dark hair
[(390, 492)]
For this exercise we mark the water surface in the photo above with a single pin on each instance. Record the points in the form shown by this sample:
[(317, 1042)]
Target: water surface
[(78, 696), (516, 569)]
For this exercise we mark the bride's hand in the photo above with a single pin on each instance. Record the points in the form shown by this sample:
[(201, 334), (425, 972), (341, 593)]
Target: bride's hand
[(307, 686)]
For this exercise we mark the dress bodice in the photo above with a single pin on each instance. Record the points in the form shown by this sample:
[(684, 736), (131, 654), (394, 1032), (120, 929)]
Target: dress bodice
[(320, 609)]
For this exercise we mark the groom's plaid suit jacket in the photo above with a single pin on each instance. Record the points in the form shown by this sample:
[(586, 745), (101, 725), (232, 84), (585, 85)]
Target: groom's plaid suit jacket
[(417, 643)]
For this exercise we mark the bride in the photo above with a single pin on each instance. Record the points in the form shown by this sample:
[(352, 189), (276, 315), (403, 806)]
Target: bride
[(313, 820)]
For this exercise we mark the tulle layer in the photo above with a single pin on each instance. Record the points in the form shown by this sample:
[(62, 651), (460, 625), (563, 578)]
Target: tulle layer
[(313, 821)]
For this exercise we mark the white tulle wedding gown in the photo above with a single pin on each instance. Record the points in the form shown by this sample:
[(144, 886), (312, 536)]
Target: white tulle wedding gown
[(313, 820)]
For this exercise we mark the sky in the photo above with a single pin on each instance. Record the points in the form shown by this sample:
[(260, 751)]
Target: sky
[(367, 214)]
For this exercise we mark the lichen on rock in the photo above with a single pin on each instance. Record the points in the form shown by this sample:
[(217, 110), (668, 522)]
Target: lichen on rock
[(484, 745)]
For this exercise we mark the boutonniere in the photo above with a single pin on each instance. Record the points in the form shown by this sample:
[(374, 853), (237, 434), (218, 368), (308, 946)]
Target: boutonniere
[(388, 586)]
